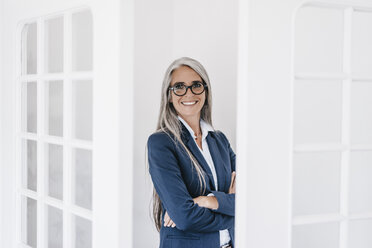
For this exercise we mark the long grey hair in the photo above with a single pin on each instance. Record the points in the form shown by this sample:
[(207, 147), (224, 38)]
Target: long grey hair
[(168, 122)]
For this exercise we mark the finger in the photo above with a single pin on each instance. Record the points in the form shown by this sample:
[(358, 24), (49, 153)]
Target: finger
[(166, 223), (170, 223), (233, 176), (234, 180), (232, 184), (166, 219), (173, 225)]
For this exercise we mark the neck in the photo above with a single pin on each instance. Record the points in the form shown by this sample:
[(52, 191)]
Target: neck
[(194, 123)]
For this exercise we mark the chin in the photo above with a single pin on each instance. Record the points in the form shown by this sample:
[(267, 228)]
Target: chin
[(189, 114)]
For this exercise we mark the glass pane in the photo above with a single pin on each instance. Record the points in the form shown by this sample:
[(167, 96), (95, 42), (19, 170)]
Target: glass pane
[(360, 234), (317, 111), (83, 178), (31, 107), (54, 45), (361, 54), (29, 49), (361, 112), (83, 109), (29, 221), (318, 40), (30, 165), (316, 183), (55, 171), (316, 236), (82, 41), (361, 182), (55, 107), (55, 227), (83, 233)]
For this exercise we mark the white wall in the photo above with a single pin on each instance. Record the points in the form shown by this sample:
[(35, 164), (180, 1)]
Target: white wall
[(207, 31), (166, 30), (1, 75), (7, 223), (153, 51)]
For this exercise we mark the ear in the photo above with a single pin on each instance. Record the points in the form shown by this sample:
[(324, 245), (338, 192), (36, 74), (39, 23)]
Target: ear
[(170, 98)]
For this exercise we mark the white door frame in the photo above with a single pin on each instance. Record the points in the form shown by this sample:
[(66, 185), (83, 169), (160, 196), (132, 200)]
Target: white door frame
[(264, 129), (1, 106)]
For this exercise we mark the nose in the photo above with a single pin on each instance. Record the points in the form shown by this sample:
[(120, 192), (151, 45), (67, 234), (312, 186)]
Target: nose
[(188, 91)]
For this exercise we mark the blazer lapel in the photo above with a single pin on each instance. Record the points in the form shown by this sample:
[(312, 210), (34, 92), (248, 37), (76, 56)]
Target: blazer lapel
[(190, 143), (218, 162)]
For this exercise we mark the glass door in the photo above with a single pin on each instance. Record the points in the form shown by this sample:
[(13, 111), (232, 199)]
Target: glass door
[(55, 145)]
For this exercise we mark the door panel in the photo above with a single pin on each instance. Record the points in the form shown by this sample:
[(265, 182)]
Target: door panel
[(59, 173), (61, 124)]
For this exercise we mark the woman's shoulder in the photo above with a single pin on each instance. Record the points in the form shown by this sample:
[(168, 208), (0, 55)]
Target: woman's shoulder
[(221, 138), (159, 138), (220, 135)]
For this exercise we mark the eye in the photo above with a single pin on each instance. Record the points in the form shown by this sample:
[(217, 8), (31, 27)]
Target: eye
[(178, 86), (197, 84)]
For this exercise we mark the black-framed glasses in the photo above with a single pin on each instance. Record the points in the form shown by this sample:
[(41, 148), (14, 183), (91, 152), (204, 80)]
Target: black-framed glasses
[(180, 89)]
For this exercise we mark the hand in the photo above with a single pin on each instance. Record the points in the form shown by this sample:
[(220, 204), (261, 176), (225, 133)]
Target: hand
[(168, 222), (232, 185), (206, 202)]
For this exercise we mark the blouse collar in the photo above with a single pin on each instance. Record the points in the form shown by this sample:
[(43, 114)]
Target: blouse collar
[(205, 127)]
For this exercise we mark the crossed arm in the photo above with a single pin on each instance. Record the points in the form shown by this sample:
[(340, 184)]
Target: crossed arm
[(210, 202)]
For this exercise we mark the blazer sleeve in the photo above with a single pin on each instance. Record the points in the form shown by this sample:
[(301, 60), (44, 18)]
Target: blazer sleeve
[(168, 182), (226, 202)]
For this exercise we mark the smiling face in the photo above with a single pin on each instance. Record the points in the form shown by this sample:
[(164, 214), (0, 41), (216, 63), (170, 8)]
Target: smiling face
[(189, 105)]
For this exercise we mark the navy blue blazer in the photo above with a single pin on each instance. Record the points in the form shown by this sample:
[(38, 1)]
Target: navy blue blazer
[(176, 183)]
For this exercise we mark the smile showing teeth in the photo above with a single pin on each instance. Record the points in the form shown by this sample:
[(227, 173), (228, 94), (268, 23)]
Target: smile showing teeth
[(189, 103)]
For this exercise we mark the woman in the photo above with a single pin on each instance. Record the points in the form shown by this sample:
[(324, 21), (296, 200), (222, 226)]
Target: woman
[(191, 165)]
